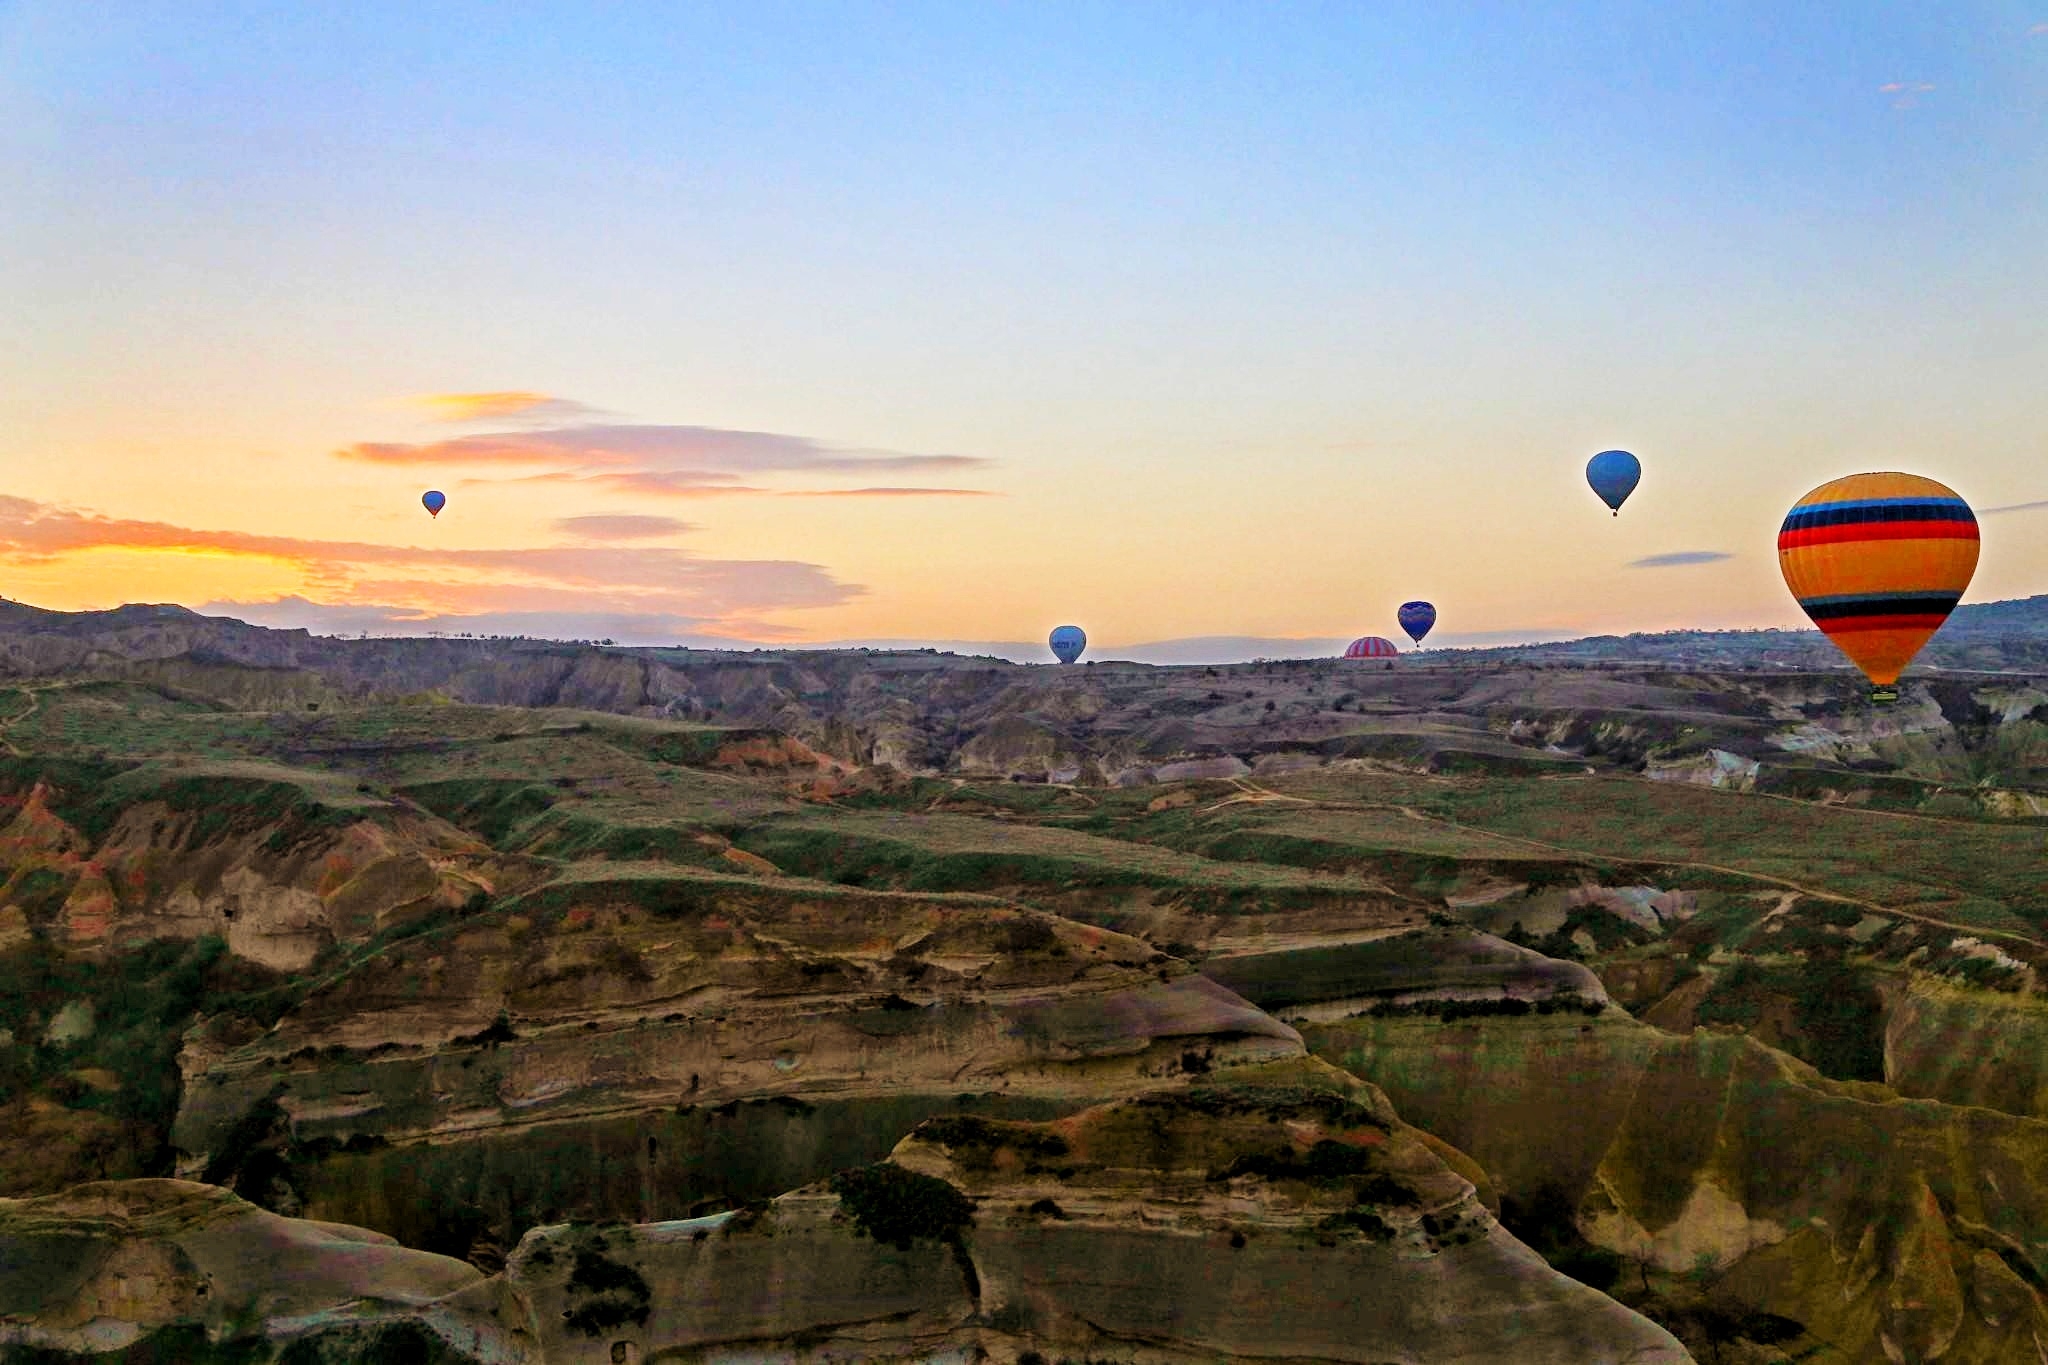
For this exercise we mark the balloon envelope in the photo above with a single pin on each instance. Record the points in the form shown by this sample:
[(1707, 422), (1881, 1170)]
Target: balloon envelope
[(1879, 561), (433, 500), (1416, 618), (1371, 647), (1067, 643), (1614, 475)]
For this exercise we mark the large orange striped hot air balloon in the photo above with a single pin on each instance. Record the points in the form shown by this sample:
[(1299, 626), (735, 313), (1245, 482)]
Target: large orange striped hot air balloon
[(1879, 561)]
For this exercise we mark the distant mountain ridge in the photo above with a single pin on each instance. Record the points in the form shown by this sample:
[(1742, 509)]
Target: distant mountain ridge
[(2004, 634), (1993, 636)]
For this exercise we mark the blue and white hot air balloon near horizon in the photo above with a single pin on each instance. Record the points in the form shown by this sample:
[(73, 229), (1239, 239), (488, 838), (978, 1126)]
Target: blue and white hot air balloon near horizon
[(433, 500), (1067, 643), (1416, 618), (1614, 475)]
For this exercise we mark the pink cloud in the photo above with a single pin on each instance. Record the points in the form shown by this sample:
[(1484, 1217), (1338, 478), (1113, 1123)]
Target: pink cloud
[(890, 493), (655, 484), (1908, 92), (650, 578), (504, 404), (650, 461), (654, 447), (620, 527)]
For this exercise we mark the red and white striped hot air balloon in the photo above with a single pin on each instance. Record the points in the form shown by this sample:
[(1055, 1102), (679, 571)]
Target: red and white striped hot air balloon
[(1371, 647)]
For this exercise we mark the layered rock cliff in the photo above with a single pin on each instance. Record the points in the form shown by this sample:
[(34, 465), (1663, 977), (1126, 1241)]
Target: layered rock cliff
[(1154, 1230)]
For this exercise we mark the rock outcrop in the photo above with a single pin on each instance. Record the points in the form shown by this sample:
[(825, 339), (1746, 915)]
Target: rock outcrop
[(1886, 1228), (190, 1273), (659, 992), (1392, 971), (1154, 1230)]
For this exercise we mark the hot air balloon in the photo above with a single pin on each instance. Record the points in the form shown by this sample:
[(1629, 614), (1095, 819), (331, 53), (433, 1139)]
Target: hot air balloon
[(1416, 618), (1879, 561), (1371, 647), (1614, 475), (433, 500), (1067, 643)]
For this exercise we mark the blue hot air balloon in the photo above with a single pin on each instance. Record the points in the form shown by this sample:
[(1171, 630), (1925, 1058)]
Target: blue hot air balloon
[(1614, 475), (1416, 618), (433, 500), (1067, 643)]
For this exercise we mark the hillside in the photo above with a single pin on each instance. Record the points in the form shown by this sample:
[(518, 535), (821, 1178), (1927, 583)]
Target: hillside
[(1978, 637), (516, 994)]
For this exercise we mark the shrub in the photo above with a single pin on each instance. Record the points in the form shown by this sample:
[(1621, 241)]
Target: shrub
[(1359, 1220), (608, 1293), (1326, 1162), (898, 1206)]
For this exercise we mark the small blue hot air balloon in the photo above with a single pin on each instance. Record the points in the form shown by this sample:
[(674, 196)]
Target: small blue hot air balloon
[(1067, 643), (433, 500), (1614, 475), (1416, 618)]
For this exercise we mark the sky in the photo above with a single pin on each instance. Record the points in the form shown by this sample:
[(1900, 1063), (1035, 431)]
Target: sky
[(833, 322)]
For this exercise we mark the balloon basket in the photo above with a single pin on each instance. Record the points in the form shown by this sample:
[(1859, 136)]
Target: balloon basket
[(1883, 696)]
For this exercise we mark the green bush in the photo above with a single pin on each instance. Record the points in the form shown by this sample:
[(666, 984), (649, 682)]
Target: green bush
[(605, 1293), (897, 1206), (143, 999)]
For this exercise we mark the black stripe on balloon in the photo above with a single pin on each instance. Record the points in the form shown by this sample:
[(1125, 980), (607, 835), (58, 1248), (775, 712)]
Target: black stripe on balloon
[(1859, 514), (1903, 604)]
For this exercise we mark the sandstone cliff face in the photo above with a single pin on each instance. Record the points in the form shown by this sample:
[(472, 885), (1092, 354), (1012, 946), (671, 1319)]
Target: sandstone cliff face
[(1871, 1220), (235, 856), (672, 993), (1103, 1229), (1402, 969), (1154, 1231), (178, 1269)]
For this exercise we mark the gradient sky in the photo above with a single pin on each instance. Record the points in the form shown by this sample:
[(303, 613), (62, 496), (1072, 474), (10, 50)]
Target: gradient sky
[(1179, 319)]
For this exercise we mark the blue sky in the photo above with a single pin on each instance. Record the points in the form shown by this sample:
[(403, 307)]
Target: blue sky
[(1247, 319)]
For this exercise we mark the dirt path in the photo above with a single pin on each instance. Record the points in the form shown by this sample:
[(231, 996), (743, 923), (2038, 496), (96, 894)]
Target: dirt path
[(35, 699), (1251, 793), (1871, 907)]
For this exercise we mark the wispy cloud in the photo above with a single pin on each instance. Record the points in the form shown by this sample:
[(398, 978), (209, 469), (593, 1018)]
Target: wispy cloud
[(2038, 31), (890, 493), (2013, 507), (644, 579), (640, 484), (620, 527), (503, 405), (644, 460), (624, 446), (1679, 557), (1905, 94), (626, 628)]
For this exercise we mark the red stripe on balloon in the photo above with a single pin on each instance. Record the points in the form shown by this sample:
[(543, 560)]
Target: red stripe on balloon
[(1878, 530)]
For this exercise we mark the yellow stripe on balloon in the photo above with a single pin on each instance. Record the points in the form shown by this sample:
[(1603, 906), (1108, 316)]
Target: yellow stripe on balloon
[(1849, 566)]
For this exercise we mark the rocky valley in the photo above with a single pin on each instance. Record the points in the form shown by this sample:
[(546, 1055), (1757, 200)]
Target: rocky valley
[(481, 1000)]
